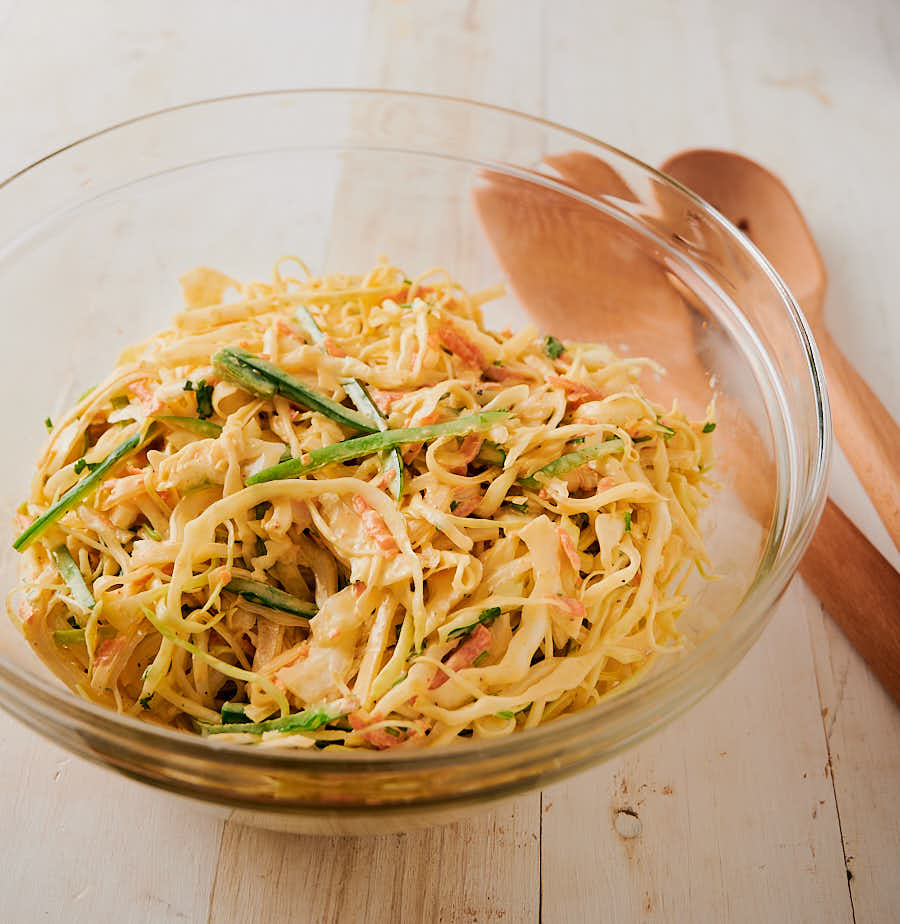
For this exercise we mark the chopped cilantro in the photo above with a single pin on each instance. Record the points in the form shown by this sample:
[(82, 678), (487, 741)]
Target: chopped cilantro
[(453, 505), (407, 282), (485, 618), (709, 426), (48, 423), (204, 397), (552, 347), (666, 431), (82, 464), (145, 700), (519, 508), (627, 521), (578, 439)]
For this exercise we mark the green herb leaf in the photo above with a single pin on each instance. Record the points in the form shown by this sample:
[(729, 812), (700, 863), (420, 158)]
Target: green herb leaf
[(234, 713), (666, 431), (505, 714), (204, 397), (552, 347), (48, 423), (709, 426), (485, 618), (453, 505), (481, 659), (627, 521), (145, 700)]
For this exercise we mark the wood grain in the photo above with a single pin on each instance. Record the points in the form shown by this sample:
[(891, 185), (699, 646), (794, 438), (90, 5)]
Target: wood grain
[(869, 437), (862, 732), (866, 603), (736, 805), (467, 872), (84, 844)]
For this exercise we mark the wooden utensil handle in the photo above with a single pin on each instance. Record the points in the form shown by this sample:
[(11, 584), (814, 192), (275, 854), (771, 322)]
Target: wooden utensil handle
[(866, 432), (860, 590)]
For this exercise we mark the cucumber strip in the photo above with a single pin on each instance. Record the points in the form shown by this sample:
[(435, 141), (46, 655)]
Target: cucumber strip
[(73, 577), (376, 442), (266, 595), (76, 636), (362, 400), (570, 461), (393, 460), (234, 713), (247, 378), (308, 720), (308, 322), (193, 424), (77, 492), (491, 454), (233, 363)]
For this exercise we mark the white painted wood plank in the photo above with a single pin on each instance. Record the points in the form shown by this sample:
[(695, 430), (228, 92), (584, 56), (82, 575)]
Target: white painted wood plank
[(862, 727), (86, 844), (69, 69), (463, 872), (736, 807)]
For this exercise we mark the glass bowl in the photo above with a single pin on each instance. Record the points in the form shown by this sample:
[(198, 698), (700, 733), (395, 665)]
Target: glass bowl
[(591, 243)]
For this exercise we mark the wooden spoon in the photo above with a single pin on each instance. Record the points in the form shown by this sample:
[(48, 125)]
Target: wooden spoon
[(565, 261), (758, 203)]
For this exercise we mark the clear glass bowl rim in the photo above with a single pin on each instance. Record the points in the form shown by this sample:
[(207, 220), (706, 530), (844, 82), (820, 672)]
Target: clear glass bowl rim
[(663, 696)]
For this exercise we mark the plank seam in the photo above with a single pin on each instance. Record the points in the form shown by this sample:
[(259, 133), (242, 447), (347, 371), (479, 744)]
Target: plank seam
[(826, 732)]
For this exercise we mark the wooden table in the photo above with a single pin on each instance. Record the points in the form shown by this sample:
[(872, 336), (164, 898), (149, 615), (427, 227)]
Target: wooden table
[(776, 798)]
